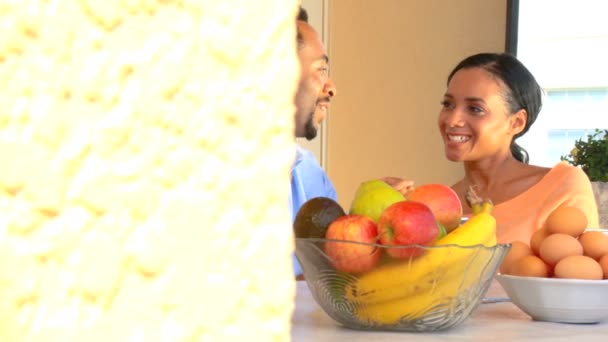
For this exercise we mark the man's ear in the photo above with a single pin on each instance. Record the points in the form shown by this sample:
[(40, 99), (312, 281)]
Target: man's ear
[(518, 121)]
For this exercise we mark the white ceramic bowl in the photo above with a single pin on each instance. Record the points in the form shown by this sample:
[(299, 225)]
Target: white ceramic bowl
[(558, 300)]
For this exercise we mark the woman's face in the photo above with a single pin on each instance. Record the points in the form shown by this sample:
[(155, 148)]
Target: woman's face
[(474, 121)]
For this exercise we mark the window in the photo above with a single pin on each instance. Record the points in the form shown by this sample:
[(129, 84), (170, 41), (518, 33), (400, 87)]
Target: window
[(564, 43)]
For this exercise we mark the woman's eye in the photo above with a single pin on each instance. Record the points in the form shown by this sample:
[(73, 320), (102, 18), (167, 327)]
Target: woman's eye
[(446, 104), (475, 109)]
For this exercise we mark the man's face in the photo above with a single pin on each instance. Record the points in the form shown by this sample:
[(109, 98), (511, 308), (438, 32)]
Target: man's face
[(315, 89)]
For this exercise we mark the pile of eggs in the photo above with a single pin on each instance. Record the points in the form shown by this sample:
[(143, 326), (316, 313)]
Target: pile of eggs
[(562, 248)]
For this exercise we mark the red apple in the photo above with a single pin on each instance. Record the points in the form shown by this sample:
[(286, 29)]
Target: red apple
[(442, 200), (352, 257), (407, 223)]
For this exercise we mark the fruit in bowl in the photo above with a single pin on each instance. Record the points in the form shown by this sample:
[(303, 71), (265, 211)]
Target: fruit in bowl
[(314, 217), (433, 291), (373, 197), (443, 202), (432, 299), (407, 223), (353, 257)]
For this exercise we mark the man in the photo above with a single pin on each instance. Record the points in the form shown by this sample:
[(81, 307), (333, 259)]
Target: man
[(313, 97)]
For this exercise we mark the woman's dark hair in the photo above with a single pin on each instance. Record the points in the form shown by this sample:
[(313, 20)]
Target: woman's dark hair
[(521, 89)]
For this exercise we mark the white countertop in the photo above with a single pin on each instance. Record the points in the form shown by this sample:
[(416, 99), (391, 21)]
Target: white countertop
[(489, 322)]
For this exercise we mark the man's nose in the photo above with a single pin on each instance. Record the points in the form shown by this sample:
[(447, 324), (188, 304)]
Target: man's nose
[(330, 88)]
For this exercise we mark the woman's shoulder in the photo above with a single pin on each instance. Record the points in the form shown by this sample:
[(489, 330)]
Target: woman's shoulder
[(569, 185), (527, 176), (565, 172), (565, 168), (533, 174), (538, 171), (561, 178), (529, 182)]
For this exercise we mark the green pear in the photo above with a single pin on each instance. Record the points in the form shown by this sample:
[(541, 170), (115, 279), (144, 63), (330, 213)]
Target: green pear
[(372, 197), (442, 231)]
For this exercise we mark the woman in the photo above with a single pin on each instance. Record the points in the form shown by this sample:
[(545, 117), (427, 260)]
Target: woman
[(491, 100)]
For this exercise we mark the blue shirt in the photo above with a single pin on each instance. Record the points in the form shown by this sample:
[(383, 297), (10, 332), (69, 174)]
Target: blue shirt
[(308, 180)]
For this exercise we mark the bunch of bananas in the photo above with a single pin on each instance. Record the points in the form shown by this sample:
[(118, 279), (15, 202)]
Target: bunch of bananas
[(410, 289)]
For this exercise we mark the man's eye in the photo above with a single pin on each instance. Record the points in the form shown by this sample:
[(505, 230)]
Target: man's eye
[(323, 69)]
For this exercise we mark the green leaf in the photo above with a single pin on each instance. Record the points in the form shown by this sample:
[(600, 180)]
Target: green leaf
[(591, 154)]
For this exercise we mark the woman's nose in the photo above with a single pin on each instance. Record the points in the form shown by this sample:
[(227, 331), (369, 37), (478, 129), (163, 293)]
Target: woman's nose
[(453, 118)]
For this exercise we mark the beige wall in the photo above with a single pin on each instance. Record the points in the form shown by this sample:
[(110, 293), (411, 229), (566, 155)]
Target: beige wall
[(390, 60)]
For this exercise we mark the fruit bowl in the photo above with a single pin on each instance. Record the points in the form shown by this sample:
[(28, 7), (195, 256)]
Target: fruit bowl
[(434, 291), (558, 300)]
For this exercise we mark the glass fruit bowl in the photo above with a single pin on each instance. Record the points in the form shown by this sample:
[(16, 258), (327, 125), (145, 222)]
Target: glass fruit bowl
[(362, 287)]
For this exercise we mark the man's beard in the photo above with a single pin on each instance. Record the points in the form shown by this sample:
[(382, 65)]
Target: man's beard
[(310, 129)]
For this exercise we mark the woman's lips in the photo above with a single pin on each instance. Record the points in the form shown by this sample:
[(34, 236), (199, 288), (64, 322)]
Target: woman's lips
[(458, 138)]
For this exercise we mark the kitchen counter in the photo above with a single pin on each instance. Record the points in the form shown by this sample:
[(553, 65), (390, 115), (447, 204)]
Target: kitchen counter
[(489, 322)]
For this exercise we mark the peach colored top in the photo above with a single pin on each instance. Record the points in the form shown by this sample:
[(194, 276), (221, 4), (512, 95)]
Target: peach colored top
[(519, 217)]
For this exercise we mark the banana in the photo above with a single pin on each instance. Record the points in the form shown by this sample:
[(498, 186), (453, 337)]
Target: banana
[(406, 309), (412, 276), (436, 299)]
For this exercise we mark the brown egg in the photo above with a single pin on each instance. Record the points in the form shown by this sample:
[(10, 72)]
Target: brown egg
[(518, 250), (529, 266), (536, 238), (558, 246), (566, 220), (595, 244), (604, 264), (579, 267)]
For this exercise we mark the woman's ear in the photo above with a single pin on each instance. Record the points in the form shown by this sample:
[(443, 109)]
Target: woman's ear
[(517, 122)]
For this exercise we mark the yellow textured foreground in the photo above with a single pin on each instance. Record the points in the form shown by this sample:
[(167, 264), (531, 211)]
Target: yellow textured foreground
[(145, 149)]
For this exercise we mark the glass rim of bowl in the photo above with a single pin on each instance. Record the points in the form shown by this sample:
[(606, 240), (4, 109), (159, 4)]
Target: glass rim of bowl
[(451, 245)]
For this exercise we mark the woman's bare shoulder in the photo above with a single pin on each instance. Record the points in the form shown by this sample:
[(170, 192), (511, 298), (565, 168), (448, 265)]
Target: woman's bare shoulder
[(528, 175), (538, 171)]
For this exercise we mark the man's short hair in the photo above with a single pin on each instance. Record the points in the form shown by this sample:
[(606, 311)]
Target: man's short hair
[(302, 16)]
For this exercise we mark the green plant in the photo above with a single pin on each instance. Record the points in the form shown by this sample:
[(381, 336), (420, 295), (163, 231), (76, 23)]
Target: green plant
[(591, 155)]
